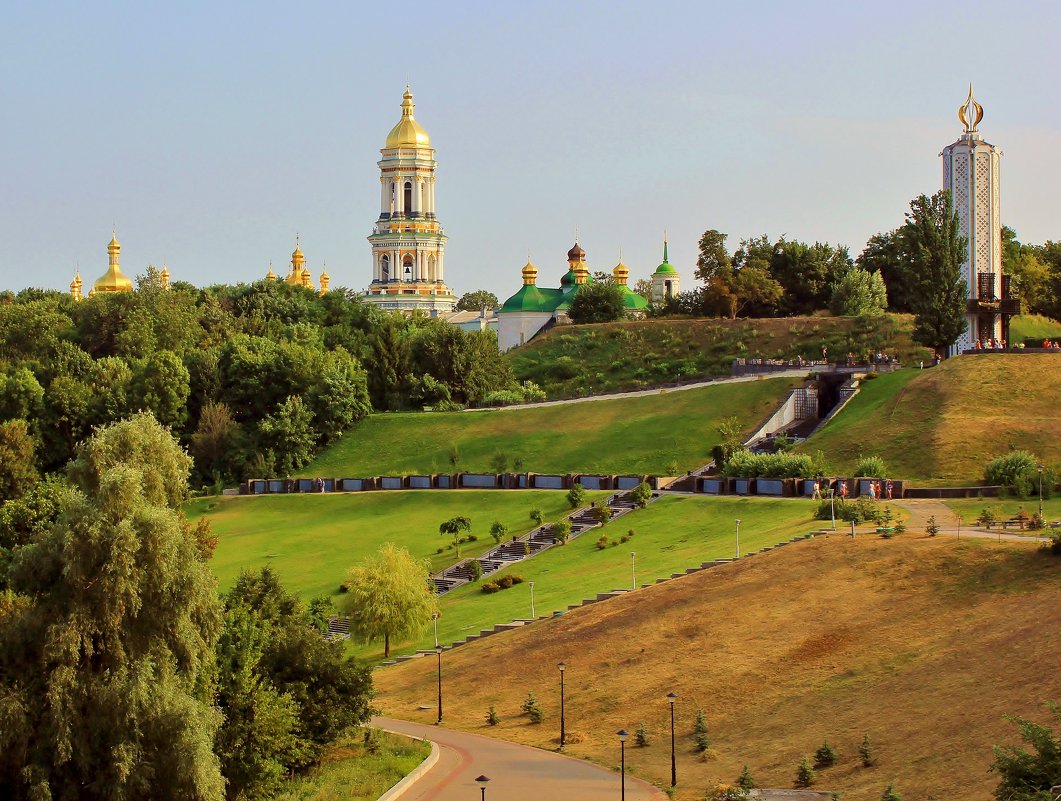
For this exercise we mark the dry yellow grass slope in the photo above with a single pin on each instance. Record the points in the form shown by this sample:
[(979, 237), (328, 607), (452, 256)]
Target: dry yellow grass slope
[(923, 643), (946, 423)]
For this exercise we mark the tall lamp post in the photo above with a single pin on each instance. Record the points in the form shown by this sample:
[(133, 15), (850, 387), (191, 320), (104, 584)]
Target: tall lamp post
[(622, 763), (563, 732), (633, 570), (481, 780), (738, 538), (434, 620), (832, 506), (532, 600), (438, 650), (673, 764), (1040, 466)]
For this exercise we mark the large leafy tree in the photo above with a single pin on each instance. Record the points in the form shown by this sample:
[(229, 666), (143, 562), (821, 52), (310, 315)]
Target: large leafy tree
[(599, 302), (388, 596), (807, 273), (859, 293), (108, 633), (288, 434), (713, 260), (17, 466), (479, 299), (937, 249), (887, 253)]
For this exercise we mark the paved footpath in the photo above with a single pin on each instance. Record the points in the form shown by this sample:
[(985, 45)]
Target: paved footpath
[(517, 772), (921, 509)]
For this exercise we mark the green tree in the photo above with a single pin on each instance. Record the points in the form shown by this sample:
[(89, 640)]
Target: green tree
[(807, 274), (562, 531), (477, 300), (937, 251), (576, 496), (745, 781), (641, 494), (1028, 775), (825, 756), (17, 466), (102, 671), (161, 386), (498, 530), (599, 302), (288, 434), (453, 527), (865, 751), (537, 517), (805, 775), (21, 395), (340, 400), (713, 260), (890, 794), (388, 597), (888, 254), (218, 442), (859, 293), (26, 519)]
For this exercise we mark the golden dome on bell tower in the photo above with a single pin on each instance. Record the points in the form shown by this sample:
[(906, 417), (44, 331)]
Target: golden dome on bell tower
[(325, 279), (270, 276), (408, 132), (114, 280), (530, 274)]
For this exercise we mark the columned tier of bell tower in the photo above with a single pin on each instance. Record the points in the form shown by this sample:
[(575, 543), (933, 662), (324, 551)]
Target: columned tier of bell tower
[(408, 244)]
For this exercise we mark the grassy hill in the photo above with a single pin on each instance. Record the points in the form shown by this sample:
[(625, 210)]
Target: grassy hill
[(923, 643), (944, 424), (652, 434), (312, 540), (575, 361), (1033, 326)]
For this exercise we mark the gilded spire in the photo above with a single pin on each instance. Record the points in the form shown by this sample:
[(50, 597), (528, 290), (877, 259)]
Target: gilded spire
[(75, 285), (164, 276), (270, 276), (114, 280), (970, 112), (325, 279)]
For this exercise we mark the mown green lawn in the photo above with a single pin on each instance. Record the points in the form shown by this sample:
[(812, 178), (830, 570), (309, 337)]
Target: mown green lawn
[(1033, 326), (672, 534), (351, 771), (313, 540), (658, 434), (970, 508)]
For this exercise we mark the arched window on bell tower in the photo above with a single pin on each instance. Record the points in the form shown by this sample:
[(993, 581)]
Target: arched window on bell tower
[(384, 268), (407, 268), (407, 205)]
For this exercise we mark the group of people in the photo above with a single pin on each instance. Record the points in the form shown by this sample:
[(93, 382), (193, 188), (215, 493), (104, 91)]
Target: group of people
[(992, 344), (875, 490)]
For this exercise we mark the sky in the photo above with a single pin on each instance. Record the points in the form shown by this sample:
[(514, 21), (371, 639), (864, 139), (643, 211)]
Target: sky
[(210, 133)]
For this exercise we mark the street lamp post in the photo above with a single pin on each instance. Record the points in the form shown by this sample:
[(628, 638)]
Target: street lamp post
[(832, 506), (532, 600), (434, 620), (482, 779), (563, 732), (633, 570), (738, 538), (1040, 466), (438, 650), (622, 763), (673, 764)]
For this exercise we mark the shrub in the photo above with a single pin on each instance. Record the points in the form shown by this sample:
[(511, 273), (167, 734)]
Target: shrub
[(702, 743), (933, 527), (745, 780), (891, 794), (499, 462), (562, 531), (700, 725), (1017, 471), (576, 496), (477, 569), (641, 735), (865, 751), (529, 703), (641, 494), (532, 392), (602, 542), (871, 467), (489, 587), (1055, 544), (602, 514), (726, 792), (805, 775), (492, 718), (825, 756), (537, 517), (498, 530), (862, 510), (745, 464)]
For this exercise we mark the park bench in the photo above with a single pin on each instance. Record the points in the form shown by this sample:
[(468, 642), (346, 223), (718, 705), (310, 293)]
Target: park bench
[(1020, 521)]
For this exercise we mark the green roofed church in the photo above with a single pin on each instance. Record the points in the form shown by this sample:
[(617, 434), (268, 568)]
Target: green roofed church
[(533, 308)]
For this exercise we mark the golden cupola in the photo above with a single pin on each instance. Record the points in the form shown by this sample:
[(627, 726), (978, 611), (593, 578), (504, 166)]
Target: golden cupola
[(621, 272), (298, 263), (76, 285), (530, 274), (270, 276), (114, 280), (163, 277), (408, 132), (325, 279)]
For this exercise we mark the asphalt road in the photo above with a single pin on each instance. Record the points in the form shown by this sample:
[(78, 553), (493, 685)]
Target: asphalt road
[(517, 772)]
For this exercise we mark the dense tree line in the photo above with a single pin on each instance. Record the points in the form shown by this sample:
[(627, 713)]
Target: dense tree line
[(123, 674), (251, 378)]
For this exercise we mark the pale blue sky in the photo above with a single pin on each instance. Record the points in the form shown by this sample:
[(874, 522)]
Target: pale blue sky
[(211, 133)]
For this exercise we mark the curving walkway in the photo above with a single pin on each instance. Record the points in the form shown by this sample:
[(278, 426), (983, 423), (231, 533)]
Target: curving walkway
[(517, 772), (921, 509)]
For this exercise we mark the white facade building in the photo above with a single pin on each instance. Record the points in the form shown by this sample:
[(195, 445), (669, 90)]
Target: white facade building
[(971, 174), (408, 244)]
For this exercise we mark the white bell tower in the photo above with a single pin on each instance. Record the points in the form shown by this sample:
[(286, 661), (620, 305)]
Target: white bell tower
[(408, 244)]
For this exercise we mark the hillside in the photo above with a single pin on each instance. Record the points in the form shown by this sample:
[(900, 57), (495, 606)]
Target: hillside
[(944, 424), (1033, 326), (575, 361), (923, 643), (660, 433)]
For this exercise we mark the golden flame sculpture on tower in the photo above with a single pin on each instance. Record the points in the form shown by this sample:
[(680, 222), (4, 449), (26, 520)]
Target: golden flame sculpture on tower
[(970, 112)]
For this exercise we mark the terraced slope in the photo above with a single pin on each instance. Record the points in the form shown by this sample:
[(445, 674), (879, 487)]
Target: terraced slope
[(944, 424)]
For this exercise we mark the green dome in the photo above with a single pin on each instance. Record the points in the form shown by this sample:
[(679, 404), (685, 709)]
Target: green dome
[(532, 298), (633, 301)]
